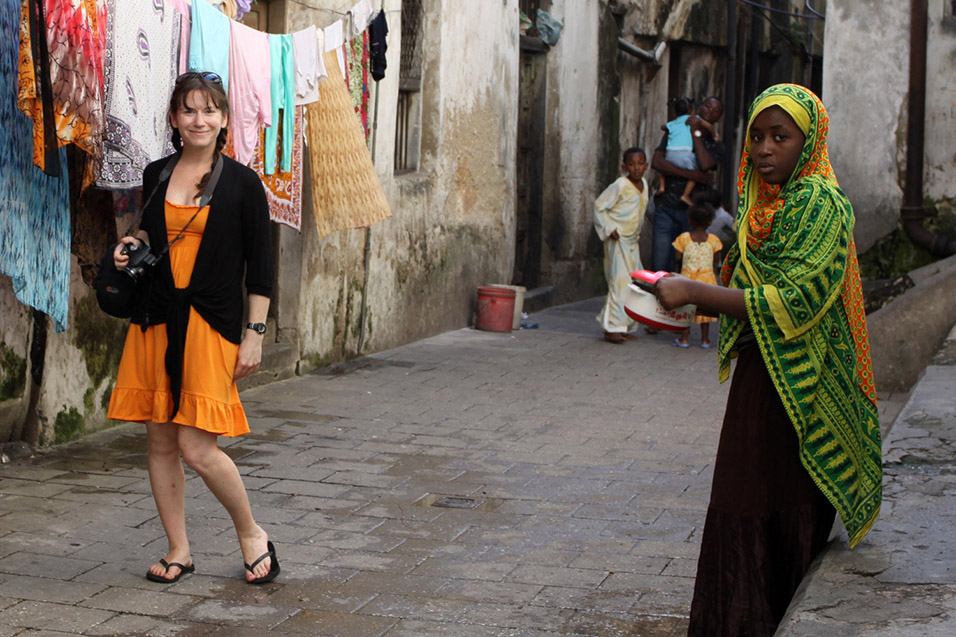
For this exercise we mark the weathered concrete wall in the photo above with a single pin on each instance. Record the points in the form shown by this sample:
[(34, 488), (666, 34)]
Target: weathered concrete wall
[(866, 82), (452, 227), (15, 332), (866, 100), (78, 366), (668, 20), (940, 168), (573, 146)]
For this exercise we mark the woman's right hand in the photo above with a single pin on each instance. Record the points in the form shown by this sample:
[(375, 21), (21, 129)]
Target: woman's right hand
[(673, 291), (119, 259)]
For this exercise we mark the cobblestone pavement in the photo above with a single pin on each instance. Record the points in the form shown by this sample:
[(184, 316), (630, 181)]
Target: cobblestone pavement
[(575, 475)]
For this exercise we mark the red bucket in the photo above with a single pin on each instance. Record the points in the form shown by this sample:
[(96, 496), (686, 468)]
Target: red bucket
[(496, 309)]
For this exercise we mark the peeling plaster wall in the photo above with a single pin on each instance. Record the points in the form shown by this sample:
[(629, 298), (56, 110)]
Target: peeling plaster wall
[(572, 148), (865, 85), (79, 365), (452, 224), (940, 167), (15, 331)]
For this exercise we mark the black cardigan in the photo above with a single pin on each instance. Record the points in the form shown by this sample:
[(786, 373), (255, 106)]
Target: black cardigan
[(236, 241)]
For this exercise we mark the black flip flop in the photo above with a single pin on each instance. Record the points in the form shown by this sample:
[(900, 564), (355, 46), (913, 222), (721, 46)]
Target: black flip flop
[(183, 570), (273, 568)]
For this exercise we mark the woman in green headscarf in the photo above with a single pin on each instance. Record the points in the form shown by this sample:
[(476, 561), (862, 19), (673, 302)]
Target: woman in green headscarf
[(801, 437)]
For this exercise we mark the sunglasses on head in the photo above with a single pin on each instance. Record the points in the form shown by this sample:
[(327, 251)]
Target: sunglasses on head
[(206, 75)]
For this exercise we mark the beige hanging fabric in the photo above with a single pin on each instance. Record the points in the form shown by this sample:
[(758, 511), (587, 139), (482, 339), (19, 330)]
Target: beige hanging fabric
[(346, 191)]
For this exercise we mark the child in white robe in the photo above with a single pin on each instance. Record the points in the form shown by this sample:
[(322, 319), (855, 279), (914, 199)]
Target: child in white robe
[(618, 217)]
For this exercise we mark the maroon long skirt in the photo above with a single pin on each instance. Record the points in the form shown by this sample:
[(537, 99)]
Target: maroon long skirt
[(766, 521)]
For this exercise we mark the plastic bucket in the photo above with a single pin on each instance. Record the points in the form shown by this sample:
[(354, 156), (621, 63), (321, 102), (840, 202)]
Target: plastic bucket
[(519, 302), (495, 310)]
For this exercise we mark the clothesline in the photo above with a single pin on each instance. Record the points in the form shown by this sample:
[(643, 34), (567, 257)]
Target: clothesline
[(335, 11), (122, 101)]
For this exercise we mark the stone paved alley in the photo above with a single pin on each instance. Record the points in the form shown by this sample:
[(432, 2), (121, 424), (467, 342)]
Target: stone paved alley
[(587, 466)]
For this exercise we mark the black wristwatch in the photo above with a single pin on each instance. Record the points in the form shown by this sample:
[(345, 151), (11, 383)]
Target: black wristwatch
[(258, 328)]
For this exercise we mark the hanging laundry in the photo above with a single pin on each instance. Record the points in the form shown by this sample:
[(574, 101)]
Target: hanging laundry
[(242, 8), (229, 8), (378, 45), (356, 76), (34, 80), (284, 189), (250, 89), (334, 41), (35, 222), (184, 11), (308, 47), (142, 43), (360, 14), (209, 41), (75, 41), (283, 99), (346, 191)]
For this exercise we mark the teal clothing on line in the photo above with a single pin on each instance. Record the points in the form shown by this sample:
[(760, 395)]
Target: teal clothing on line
[(209, 41), (283, 97), (34, 207)]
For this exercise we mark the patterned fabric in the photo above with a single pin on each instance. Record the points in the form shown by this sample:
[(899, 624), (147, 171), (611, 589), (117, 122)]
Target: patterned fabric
[(356, 77), (284, 189), (697, 263), (142, 49), (35, 222), (620, 207), (795, 258), (76, 39)]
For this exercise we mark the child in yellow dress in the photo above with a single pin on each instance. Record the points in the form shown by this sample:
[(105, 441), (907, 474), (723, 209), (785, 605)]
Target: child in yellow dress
[(698, 253)]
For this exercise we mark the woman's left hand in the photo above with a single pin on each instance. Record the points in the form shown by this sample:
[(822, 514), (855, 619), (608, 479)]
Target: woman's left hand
[(250, 355)]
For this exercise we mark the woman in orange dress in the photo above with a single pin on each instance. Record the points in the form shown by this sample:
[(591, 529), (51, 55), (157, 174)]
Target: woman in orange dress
[(187, 344)]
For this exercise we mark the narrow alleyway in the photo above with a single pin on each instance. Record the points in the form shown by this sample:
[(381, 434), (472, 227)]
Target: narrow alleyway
[(534, 483)]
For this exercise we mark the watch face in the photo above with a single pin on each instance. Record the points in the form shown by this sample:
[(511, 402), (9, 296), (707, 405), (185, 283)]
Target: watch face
[(260, 328)]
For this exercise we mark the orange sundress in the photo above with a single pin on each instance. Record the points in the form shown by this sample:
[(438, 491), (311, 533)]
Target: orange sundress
[(209, 399)]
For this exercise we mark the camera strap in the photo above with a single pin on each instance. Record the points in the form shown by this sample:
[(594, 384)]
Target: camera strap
[(203, 200), (163, 176)]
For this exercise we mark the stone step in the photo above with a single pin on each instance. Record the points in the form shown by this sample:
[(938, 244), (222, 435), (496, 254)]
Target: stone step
[(279, 361)]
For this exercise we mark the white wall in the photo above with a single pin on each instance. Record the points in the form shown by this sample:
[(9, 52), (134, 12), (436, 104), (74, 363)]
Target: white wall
[(865, 88)]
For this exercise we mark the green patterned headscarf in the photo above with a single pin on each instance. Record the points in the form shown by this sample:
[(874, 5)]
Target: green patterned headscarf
[(796, 261)]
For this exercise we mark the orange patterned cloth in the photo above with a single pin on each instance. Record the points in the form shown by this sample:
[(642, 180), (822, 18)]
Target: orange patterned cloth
[(76, 40)]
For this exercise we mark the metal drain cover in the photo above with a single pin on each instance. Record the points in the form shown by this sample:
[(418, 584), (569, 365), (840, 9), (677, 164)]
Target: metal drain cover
[(455, 502)]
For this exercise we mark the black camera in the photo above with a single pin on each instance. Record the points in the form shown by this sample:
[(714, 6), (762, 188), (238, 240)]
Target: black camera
[(140, 258)]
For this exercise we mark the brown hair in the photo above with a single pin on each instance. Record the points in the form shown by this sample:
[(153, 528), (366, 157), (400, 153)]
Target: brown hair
[(210, 86)]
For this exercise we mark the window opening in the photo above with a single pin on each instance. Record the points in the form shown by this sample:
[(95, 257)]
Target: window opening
[(408, 110)]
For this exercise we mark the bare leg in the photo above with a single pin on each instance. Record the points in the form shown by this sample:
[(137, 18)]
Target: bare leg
[(705, 333), (684, 335), (168, 483), (687, 191), (219, 472)]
